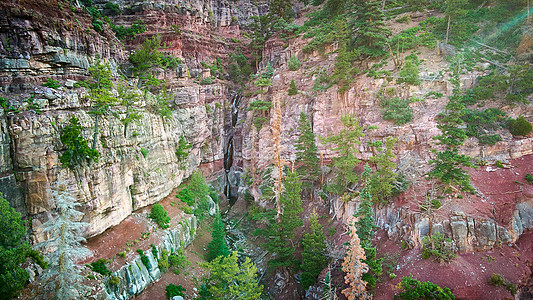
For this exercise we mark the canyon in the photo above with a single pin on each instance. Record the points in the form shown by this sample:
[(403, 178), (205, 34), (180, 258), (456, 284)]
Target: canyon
[(139, 167)]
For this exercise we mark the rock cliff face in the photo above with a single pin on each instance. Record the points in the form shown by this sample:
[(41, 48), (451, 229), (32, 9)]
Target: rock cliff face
[(44, 40)]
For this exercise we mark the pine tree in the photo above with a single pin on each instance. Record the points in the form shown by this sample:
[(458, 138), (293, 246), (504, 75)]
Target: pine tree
[(229, 279), (382, 182), (280, 232), (448, 164), (307, 152), (365, 230), (366, 22), (314, 253), (217, 247), (293, 90), (346, 143), (13, 251), (354, 267), (62, 277)]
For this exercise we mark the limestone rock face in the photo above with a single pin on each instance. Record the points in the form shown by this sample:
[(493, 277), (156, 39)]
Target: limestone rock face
[(135, 276)]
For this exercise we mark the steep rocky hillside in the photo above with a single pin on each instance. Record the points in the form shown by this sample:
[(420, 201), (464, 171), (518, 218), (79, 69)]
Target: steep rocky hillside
[(224, 94)]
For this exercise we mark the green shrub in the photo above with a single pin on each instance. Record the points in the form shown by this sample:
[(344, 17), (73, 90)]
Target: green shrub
[(497, 279), (114, 8), (100, 267), (438, 247), (409, 73), (412, 289), (114, 281), (144, 152), (405, 19), (489, 139), (159, 215), (294, 63), (174, 290), (293, 90), (185, 196), (529, 178), (397, 110), (206, 80), (53, 84), (178, 261), (520, 127), (163, 262), (129, 32), (78, 151), (144, 259), (182, 151)]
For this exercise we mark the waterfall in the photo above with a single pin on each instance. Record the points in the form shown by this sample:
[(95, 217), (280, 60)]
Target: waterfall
[(229, 149)]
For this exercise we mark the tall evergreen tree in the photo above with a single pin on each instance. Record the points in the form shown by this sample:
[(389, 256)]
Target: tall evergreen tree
[(365, 230), (280, 232), (62, 277), (382, 181), (307, 152), (229, 279), (217, 247), (13, 251), (448, 164), (366, 23), (346, 143), (314, 253)]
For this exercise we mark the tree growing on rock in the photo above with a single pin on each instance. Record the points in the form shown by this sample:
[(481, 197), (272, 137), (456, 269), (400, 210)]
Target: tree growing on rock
[(307, 152), (346, 143), (365, 231), (314, 253), (217, 247), (62, 277)]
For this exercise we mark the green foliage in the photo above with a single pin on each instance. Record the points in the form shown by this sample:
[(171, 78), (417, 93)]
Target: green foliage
[(365, 231), (307, 152), (144, 152), (280, 232), (412, 289), (144, 258), (293, 90), (229, 279), (78, 151), (13, 251), (480, 123), (99, 266), (114, 281), (447, 166), (438, 247), (53, 84), (260, 109), (384, 182), (294, 63), (206, 80), (173, 290), (397, 110), (196, 194), (366, 19), (314, 253), (409, 73), (113, 7), (346, 143), (159, 215), (529, 178), (413, 37), (497, 279), (182, 150), (520, 126), (178, 261), (239, 69), (217, 246), (130, 32)]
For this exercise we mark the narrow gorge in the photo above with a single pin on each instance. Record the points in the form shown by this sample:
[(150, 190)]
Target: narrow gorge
[(311, 150)]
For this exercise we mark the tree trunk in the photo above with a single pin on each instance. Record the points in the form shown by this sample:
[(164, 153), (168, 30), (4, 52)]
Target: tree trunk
[(95, 134), (448, 29)]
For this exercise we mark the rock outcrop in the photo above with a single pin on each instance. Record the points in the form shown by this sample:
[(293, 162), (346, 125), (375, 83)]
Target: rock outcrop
[(135, 276)]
